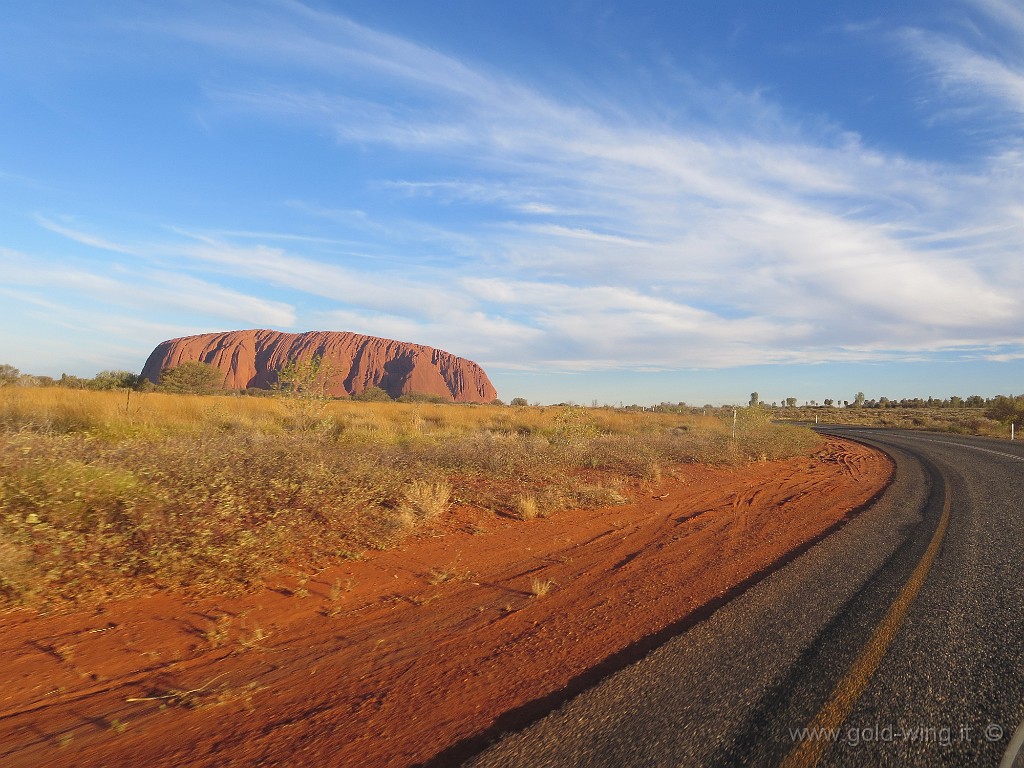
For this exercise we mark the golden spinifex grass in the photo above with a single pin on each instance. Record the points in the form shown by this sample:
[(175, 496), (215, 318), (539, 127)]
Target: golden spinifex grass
[(106, 494)]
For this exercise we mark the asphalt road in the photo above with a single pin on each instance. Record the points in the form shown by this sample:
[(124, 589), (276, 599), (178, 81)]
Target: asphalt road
[(900, 637)]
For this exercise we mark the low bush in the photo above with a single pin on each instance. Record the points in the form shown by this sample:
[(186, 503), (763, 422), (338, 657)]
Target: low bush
[(109, 493)]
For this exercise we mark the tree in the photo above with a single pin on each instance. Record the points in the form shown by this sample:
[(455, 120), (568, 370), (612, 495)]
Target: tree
[(828, 402), (303, 384), (790, 402), (8, 374), (1009, 410), (423, 397), (858, 401), (372, 395), (308, 379), (114, 380), (519, 401), (193, 378), (754, 400), (71, 382)]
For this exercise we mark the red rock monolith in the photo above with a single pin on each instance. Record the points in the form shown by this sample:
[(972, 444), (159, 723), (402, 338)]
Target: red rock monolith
[(251, 359)]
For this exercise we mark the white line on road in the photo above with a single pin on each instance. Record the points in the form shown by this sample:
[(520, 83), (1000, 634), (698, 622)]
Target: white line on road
[(951, 442)]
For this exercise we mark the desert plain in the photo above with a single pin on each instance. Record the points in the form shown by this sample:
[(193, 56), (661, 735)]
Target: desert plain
[(467, 598)]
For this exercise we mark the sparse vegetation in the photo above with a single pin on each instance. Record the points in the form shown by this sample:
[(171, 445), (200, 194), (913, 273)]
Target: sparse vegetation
[(103, 496), (993, 421), (303, 386), (192, 378), (372, 395), (305, 379), (8, 374), (450, 572), (428, 500), (526, 507), (336, 596), (218, 631), (252, 637), (540, 587), (192, 698), (114, 380), (1007, 410)]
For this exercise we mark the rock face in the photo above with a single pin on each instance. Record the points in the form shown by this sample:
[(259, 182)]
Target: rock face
[(252, 358)]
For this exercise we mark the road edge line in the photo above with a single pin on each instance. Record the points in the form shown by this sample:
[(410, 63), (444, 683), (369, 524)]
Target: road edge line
[(850, 688), (1014, 749)]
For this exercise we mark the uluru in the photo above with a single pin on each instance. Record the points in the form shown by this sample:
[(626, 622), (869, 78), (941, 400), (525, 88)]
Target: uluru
[(251, 359)]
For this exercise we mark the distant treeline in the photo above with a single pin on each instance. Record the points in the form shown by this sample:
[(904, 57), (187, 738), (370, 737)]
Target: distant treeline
[(199, 378), (974, 401), (11, 376), (189, 378), (1003, 408)]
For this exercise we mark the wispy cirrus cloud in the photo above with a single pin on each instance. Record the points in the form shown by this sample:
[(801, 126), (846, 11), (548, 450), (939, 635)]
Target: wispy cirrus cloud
[(115, 285), (981, 67), (82, 237), (547, 230), (970, 74), (751, 240)]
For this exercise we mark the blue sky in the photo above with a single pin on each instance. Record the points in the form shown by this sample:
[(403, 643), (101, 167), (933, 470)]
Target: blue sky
[(633, 202)]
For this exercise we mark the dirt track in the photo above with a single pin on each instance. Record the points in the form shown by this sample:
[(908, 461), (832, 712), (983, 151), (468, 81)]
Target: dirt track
[(394, 659)]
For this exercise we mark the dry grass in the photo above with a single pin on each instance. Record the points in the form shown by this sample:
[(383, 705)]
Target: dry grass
[(526, 507), (428, 500), (540, 587), (447, 573), (218, 631), (103, 496), (336, 595), (964, 421)]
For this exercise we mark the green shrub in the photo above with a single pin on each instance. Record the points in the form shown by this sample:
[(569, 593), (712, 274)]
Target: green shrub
[(372, 395), (193, 378)]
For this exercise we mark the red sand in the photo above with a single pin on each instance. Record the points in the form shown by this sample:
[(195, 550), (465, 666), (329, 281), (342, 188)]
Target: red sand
[(372, 664)]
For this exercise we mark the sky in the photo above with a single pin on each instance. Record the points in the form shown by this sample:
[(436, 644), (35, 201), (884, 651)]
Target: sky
[(635, 202)]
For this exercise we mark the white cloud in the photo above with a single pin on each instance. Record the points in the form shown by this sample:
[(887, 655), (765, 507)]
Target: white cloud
[(1008, 13), (599, 238), (707, 244), (970, 74), (278, 267), (113, 285), (487, 339), (82, 237), (982, 68)]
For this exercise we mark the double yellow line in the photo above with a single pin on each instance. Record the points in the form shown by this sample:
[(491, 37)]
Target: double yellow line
[(846, 693)]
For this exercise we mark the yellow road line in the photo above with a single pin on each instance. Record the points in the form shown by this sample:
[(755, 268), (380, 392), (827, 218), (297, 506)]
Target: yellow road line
[(839, 706)]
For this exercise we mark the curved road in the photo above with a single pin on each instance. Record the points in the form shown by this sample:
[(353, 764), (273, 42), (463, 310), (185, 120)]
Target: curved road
[(899, 640)]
